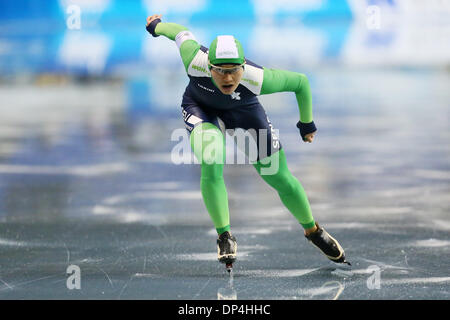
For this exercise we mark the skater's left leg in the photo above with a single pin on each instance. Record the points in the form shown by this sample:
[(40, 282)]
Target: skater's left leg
[(288, 187), (294, 198), (271, 162)]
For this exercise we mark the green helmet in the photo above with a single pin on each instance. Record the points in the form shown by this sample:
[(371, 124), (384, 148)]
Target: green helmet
[(226, 49)]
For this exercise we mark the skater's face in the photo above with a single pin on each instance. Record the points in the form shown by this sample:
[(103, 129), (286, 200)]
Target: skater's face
[(227, 77)]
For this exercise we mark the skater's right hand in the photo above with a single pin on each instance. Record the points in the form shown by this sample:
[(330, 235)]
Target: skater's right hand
[(152, 26), (152, 18)]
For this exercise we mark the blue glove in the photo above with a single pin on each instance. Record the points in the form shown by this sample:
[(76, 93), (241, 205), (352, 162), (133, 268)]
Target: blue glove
[(306, 128), (151, 27)]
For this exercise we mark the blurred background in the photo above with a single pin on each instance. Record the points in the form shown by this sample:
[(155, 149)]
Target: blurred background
[(89, 101), (85, 90)]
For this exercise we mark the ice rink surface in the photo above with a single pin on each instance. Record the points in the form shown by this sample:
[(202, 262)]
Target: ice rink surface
[(97, 189)]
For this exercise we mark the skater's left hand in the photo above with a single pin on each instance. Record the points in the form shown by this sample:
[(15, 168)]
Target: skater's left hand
[(307, 131), (310, 137)]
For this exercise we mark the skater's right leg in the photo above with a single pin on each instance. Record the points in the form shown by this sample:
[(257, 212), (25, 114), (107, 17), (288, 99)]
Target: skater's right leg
[(207, 142), (208, 145)]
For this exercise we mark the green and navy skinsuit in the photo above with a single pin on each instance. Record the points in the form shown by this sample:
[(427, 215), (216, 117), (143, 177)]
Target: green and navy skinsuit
[(203, 103)]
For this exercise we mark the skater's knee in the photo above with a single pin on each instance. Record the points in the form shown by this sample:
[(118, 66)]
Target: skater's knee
[(289, 187), (212, 155), (283, 183)]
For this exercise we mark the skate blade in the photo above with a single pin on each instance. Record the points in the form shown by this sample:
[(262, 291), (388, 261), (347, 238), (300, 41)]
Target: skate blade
[(344, 265)]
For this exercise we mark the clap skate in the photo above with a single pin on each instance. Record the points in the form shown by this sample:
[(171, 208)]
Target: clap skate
[(226, 250), (327, 245)]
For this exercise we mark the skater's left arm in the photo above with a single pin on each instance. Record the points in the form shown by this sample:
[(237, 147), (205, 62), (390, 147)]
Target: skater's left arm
[(276, 80)]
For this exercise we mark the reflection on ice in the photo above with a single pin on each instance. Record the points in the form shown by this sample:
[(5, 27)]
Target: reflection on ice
[(184, 195), (228, 292), (83, 171), (332, 289), (431, 243), (444, 280)]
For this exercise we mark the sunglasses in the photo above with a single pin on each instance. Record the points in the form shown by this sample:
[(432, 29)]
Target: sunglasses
[(226, 70)]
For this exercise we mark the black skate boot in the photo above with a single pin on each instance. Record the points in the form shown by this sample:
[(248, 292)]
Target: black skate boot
[(226, 249), (328, 245)]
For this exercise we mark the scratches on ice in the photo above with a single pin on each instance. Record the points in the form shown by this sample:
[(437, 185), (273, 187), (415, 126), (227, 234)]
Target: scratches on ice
[(277, 273), (384, 266), (11, 287), (243, 255)]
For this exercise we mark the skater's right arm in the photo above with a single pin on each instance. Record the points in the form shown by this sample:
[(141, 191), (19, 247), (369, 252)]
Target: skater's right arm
[(184, 39)]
